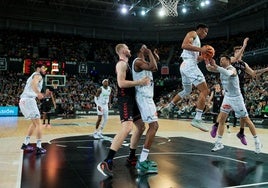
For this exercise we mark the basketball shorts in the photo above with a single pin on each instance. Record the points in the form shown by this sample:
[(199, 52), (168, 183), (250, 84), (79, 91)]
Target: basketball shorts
[(29, 108), (128, 109), (104, 110), (147, 108), (236, 104), (190, 73)]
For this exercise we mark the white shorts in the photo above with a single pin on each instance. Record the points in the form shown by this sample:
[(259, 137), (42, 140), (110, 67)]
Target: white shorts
[(29, 108), (147, 108), (190, 73), (236, 104), (104, 110)]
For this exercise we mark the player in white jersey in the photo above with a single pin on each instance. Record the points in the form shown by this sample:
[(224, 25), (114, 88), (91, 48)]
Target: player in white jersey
[(233, 100), (29, 108), (192, 75), (242, 69), (144, 97), (102, 101)]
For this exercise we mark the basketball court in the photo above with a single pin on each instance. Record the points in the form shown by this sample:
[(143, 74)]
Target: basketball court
[(183, 154)]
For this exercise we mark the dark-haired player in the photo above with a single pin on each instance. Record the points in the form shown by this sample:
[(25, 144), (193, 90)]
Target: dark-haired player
[(232, 101), (46, 104), (192, 75), (29, 108)]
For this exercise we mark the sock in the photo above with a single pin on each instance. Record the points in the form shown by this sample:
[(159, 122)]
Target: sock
[(110, 155), (216, 124), (44, 122), (241, 131), (27, 140), (198, 115), (48, 118), (38, 143), (132, 153), (256, 138), (219, 138), (144, 154)]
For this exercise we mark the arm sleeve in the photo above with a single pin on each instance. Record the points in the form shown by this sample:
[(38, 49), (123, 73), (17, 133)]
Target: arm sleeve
[(225, 71)]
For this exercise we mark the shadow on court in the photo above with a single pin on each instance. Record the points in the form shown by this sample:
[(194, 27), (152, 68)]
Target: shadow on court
[(182, 162)]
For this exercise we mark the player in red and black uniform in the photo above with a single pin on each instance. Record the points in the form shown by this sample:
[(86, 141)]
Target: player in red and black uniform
[(129, 112)]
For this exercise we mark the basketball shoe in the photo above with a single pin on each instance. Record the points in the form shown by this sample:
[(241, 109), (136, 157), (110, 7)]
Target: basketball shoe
[(258, 147), (132, 161), (200, 125), (218, 146), (242, 138), (27, 147), (106, 168), (146, 167), (40, 151), (213, 131)]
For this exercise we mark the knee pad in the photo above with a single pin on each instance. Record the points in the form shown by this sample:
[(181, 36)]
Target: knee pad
[(187, 89)]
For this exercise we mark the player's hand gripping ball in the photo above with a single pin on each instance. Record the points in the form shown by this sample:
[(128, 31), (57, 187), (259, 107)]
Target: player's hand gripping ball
[(209, 54)]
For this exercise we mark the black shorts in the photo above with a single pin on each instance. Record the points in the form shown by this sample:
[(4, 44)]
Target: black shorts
[(128, 109), (45, 109), (216, 108)]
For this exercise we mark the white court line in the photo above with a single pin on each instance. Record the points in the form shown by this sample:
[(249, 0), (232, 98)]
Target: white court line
[(72, 141), (184, 153), (84, 147), (18, 185), (249, 185), (61, 145)]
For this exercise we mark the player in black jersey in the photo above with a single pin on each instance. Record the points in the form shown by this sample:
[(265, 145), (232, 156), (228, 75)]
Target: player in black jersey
[(216, 98), (128, 109), (46, 104)]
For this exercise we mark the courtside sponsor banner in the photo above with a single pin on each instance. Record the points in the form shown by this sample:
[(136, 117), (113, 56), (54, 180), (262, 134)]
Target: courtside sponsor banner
[(8, 110)]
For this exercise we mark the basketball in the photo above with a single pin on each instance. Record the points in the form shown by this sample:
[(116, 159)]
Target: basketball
[(209, 54)]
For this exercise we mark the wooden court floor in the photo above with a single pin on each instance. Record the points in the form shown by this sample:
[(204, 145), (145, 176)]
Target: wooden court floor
[(13, 129)]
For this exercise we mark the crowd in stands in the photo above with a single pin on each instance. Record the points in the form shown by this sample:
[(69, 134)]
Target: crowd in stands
[(54, 46), (78, 94), (256, 97)]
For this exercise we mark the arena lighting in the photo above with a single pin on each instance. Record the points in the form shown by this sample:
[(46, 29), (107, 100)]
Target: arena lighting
[(161, 12), (184, 10), (184, 5), (124, 9), (204, 3), (143, 12)]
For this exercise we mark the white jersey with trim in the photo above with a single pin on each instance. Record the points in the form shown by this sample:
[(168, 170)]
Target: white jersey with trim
[(104, 97), (147, 90), (230, 84), (28, 90), (187, 54)]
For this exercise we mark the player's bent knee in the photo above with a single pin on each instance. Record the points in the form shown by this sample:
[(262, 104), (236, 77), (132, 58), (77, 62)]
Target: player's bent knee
[(185, 92)]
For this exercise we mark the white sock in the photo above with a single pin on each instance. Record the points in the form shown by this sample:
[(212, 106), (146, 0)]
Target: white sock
[(198, 115), (38, 143), (256, 139), (27, 140), (219, 138), (144, 154)]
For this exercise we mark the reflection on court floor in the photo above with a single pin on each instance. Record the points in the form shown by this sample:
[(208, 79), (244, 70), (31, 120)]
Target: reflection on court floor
[(182, 162)]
